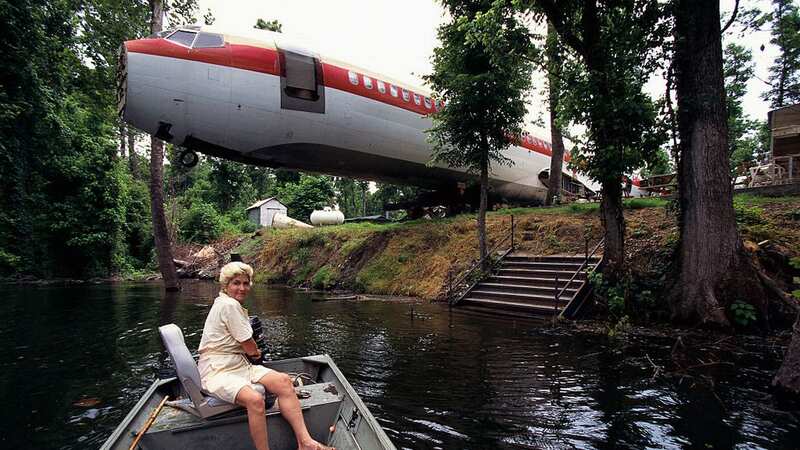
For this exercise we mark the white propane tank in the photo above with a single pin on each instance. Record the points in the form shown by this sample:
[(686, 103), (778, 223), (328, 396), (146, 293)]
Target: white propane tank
[(280, 220), (327, 217)]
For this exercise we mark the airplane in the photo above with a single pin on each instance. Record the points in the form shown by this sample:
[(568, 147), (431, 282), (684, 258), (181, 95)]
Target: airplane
[(261, 98)]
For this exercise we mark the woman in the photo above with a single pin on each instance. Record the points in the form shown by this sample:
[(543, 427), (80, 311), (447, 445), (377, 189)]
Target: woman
[(227, 374)]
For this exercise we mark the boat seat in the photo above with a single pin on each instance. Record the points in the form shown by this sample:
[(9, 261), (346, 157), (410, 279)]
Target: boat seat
[(202, 404)]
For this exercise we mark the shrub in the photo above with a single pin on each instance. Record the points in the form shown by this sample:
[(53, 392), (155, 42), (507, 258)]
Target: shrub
[(9, 263), (323, 279), (743, 313), (201, 223), (614, 294), (747, 215)]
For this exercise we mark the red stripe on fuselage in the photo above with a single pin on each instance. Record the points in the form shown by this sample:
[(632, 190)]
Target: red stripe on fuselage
[(266, 60)]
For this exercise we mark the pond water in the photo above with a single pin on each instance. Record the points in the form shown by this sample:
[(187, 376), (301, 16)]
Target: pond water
[(78, 358)]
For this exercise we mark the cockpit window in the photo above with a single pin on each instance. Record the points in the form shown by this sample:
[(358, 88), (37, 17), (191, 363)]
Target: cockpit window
[(182, 37), (160, 34), (206, 40)]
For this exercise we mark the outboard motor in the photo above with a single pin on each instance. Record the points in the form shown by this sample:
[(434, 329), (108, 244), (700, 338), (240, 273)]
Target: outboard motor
[(258, 336)]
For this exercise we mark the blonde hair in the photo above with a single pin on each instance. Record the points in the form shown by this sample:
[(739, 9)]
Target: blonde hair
[(232, 270)]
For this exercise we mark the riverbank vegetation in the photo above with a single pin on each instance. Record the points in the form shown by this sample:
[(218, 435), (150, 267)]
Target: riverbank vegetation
[(417, 257)]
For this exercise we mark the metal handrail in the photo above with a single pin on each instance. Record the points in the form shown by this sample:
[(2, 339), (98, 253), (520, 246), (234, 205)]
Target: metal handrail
[(585, 262), (480, 262)]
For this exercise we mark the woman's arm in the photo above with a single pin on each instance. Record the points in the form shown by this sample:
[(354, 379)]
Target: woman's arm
[(251, 348)]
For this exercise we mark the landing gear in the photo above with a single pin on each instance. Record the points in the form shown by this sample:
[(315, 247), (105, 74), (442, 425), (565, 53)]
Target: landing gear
[(188, 158)]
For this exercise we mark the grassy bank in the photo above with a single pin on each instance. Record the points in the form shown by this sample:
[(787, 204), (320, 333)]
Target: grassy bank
[(416, 258)]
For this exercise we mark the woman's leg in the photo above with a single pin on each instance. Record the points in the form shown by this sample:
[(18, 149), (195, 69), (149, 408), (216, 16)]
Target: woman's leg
[(254, 403), (281, 385)]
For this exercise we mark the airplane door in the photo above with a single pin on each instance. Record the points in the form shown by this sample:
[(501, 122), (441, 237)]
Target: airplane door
[(302, 84)]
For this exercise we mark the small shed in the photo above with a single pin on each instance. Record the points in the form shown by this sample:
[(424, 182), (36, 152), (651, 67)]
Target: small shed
[(262, 211)]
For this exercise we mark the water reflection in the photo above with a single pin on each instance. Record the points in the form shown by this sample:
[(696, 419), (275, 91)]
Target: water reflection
[(80, 357)]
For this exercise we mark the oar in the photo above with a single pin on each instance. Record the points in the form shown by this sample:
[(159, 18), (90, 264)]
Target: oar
[(149, 422)]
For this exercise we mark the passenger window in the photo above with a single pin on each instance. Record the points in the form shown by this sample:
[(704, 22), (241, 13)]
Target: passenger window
[(353, 78), (393, 90), (381, 87), (182, 37), (208, 40), (367, 82), (406, 95), (427, 103), (417, 100)]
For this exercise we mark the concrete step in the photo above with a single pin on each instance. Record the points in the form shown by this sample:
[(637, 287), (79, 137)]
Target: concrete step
[(525, 289), (570, 267), (506, 305), (518, 297), (554, 258), (535, 281), (564, 275)]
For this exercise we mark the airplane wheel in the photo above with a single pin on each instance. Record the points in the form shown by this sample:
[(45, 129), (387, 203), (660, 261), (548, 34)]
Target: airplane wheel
[(439, 212), (188, 158)]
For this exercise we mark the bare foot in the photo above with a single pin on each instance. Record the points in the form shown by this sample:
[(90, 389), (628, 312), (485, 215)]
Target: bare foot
[(314, 445)]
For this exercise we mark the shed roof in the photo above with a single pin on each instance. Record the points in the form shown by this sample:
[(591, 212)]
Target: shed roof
[(259, 203)]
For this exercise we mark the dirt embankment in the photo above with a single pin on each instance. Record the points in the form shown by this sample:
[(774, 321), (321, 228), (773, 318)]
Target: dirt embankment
[(416, 258)]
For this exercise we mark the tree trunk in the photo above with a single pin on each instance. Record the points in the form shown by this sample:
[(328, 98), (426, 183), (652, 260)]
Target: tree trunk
[(611, 214), (614, 228), (364, 200), (784, 74), (710, 246), (122, 139), (133, 158), (483, 205), (554, 75), (160, 232), (788, 377)]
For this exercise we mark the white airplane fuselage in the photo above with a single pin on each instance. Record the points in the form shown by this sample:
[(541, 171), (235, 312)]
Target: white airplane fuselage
[(258, 98)]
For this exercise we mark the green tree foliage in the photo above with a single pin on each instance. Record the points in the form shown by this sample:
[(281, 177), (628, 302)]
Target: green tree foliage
[(614, 47), (784, 74), (659, 164), (65, 199), (482, 74), (347, 196), (390, 194), (738, 70), (272, 25), (310, 193), (201, 223)]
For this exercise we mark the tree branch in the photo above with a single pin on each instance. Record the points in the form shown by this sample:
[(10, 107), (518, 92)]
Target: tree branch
[(732, 19), (556, 17)]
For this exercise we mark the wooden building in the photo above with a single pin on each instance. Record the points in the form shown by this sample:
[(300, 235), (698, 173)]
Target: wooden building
[(262, 211), (784, 124)]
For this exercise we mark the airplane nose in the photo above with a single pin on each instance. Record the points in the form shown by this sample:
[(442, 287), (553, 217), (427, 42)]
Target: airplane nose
[(122, 80)]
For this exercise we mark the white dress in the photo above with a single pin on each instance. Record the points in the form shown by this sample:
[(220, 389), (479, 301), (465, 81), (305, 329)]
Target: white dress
[(224, 368)]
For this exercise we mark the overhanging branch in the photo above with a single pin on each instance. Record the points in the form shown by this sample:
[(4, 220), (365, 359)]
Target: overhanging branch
[(556, 17), (732, 19)]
